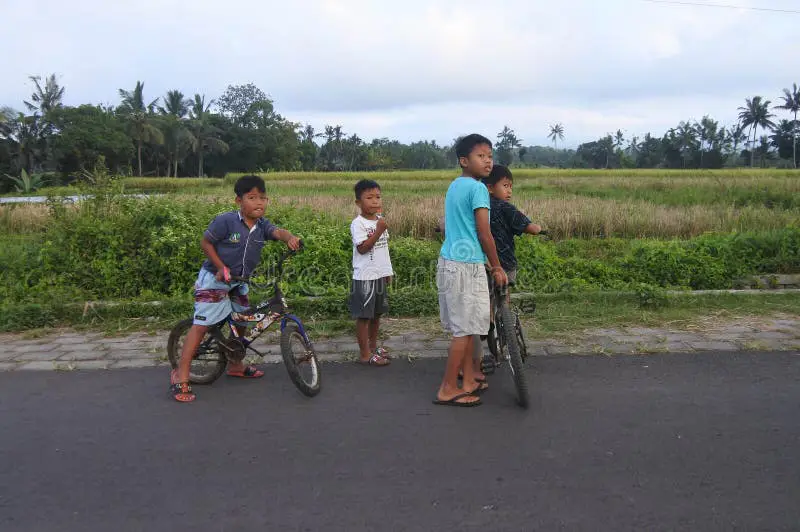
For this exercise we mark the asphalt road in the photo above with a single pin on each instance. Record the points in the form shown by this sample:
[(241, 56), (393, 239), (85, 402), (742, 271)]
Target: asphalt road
[(657, 442)]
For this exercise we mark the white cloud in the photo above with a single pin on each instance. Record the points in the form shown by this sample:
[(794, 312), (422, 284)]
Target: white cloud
[(420, 68)]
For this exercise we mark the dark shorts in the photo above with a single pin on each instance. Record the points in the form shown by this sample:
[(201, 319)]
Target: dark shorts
[(368, 299)]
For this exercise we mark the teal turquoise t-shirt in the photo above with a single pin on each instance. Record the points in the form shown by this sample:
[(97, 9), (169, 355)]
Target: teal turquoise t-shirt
[(461, 243)]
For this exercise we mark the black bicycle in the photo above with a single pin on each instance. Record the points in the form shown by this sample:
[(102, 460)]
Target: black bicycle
[(506, 342), (506, 338), (223, 341)]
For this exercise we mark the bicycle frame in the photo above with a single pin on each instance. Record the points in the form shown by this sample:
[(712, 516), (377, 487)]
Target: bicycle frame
[(276, 309)]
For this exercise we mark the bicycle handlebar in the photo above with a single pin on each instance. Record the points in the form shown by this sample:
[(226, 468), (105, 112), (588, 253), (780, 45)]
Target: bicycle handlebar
[(285, 255)]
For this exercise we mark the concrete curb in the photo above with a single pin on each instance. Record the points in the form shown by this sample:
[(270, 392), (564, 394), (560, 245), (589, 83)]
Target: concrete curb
[(72, 351)]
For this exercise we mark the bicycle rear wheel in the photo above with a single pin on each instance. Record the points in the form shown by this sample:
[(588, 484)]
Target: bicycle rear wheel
[(514, 356), (209, 361), (301, 361)]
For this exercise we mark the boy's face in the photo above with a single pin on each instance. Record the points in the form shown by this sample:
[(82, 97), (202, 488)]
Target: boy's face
[(370, 202), (502, 189), (479, 162), (252, 203)]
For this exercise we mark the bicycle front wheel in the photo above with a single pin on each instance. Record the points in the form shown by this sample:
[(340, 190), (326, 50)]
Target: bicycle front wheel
[(523, 347), (509, 332), (301, 361)]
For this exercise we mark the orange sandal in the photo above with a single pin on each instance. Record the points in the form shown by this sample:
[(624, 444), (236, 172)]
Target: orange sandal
[(182, 392), (250, 372)]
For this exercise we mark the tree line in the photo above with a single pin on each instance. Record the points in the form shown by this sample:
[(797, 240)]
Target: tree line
[(240, 131), (707, 144)]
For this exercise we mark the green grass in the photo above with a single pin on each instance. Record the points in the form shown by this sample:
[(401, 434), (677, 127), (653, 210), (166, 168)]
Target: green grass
[(559, 316)]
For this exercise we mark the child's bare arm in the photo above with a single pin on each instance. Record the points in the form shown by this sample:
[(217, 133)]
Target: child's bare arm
[(533, 229), (369, 243), (285, 236), (211, 252)]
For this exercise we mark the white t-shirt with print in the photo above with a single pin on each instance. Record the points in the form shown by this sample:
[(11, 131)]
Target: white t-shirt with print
[(375, 263)]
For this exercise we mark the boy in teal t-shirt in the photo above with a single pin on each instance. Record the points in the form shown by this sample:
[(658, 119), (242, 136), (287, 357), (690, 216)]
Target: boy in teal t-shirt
[(461, 275)]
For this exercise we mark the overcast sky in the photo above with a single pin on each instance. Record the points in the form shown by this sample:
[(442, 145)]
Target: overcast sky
[(418, 69)]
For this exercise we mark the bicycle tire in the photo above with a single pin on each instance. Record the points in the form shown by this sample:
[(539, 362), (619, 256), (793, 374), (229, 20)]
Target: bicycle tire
[(493, 342), (290, 335), (216, 361), (515, 360), (523, 347)]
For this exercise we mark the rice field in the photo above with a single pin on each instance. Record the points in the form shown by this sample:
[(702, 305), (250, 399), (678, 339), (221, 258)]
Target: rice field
[(570, 203)]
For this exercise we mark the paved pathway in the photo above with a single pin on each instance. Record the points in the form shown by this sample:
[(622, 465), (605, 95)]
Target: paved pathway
[(69, 350)]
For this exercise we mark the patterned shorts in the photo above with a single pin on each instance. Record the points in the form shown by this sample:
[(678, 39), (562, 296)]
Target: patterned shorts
[(214, 300)]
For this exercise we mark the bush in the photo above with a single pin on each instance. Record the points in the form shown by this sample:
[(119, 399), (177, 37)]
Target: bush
[(112, 247)]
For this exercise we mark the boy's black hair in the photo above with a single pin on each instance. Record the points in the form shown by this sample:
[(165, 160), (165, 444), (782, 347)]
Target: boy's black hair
[(498, 172), (247, 183), (465, 145), (364, 185)]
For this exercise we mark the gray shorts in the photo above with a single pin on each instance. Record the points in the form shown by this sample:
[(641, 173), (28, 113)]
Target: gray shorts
[(463, 297), (368, 299)]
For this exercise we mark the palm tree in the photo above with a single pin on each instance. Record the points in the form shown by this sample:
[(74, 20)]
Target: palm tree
[(791, 103), (204, 132), (764, 150), (619, 138), (6, 119), (46, 98), (27, 132), (707, 131), (308, 134), (755, 113), (633, 147), (177, 137), (556, 134), (782, 135), (139, 116), (735, 135), (687, 140)]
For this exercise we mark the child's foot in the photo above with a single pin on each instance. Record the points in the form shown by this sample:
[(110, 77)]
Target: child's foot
[(462, 400), (375, 360), (477, 388), (479, 377), (382, 351), (248, 372), (182, 392)]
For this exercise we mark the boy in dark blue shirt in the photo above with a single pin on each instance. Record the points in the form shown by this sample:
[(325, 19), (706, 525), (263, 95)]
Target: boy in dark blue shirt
[(506, 220), (232, 244)]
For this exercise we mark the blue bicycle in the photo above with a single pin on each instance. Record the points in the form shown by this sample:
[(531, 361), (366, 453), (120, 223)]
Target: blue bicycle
[(232, 338)]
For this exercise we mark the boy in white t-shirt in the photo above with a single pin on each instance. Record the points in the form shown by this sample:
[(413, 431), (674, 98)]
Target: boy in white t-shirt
[(372, 272)]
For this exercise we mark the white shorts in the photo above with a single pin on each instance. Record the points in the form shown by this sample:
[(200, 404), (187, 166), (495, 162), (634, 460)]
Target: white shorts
[(463, 297)]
